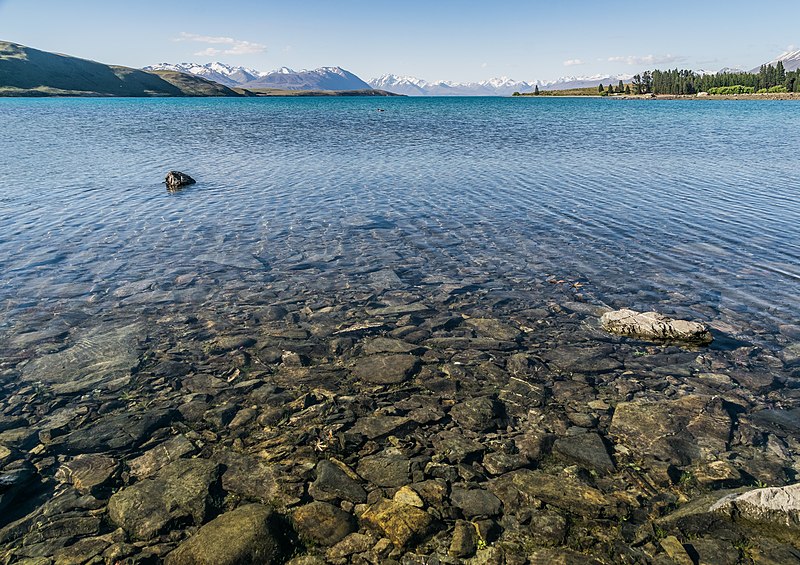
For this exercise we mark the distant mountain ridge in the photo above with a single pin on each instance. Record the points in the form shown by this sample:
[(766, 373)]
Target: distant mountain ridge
[(324, 78), (503, 86)]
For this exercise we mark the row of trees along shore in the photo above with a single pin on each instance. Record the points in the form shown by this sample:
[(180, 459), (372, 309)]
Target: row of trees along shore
[(769, 79)]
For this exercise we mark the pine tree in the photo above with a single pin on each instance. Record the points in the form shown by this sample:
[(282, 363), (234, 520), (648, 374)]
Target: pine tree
[(620, 87), (536, 90), (627, 89), (600, 88)]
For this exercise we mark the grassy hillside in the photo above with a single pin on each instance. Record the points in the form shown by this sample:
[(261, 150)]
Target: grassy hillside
[(29, 72)]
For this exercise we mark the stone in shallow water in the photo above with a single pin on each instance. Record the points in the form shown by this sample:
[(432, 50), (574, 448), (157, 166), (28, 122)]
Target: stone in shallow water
[(587, 358), (116, 432), (323, 523), (475, 502), (401, 523), (385, 369), (654, 326), (251, 477), (377, 426), (154, 459), (385, 470), (478, 414), (98, 355), (585, 449), (689, 429), (88, 473), (457, 448), (186, 491), (249, 534), (519, 489), (333, 483)]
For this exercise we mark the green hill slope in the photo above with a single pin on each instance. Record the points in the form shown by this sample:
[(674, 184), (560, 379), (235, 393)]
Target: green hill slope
[(29, 72)]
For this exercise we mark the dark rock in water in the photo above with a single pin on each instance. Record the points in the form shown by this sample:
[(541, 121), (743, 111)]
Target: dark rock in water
[(323, 523), (185, 491), (251, 477), (655, 326), (332, 483), (475, 502), (117, 432), (457, 448), (519, 489), (586, 358), (548, 528), (465, 540), (249, 534), (385, 369), (385, 470), (177, 179), (585, 449), (96, 357), (14, 481), (478, 414)]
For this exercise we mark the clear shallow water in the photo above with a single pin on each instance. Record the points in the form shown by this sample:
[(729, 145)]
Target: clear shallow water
[(688, 207)]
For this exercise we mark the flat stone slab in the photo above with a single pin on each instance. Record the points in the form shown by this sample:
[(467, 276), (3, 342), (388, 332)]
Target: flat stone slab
[(686, 430), (96, 356), (385, 369), (654, 326)]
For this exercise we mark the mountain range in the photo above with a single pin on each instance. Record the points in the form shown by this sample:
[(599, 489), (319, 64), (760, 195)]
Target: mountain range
[(325, 78), (336, 78)]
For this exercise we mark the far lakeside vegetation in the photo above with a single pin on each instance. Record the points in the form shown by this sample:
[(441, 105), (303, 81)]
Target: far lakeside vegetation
[(771, 79)]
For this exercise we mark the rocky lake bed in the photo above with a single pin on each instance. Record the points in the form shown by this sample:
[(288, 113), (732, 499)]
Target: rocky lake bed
[(472, 420)]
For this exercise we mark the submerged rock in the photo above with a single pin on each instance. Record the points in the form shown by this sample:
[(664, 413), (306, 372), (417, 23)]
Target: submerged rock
[(184, 492), (654, 326), (177, 179), (682, 431), (249, 534)]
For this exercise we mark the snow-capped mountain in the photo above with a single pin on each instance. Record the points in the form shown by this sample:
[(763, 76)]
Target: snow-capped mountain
[(503, 86), (790, 60), (729, 70), (325, 78), (218, 72)]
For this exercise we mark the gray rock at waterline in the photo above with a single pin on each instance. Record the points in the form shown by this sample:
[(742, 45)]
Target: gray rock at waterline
[(654, 326), (177, 179), (779, 506)]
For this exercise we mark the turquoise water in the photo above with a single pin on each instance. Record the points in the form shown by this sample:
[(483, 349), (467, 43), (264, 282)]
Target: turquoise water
[(688, 207)]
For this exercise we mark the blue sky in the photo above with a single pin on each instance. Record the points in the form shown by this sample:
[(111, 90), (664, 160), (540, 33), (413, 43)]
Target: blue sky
[(434, 39)]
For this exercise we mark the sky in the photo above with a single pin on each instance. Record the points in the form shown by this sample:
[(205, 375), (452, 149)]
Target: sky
[(433, 39)]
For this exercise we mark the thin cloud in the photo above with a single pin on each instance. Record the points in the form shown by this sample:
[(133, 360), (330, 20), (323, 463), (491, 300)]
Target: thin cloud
[(572, 62), (647, 59), (231, 46)]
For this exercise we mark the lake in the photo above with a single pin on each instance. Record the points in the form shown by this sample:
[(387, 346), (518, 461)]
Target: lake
[(381, 315), (682, 206)]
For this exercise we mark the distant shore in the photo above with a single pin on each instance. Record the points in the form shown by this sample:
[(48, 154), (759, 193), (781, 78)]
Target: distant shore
[(701, 96)]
